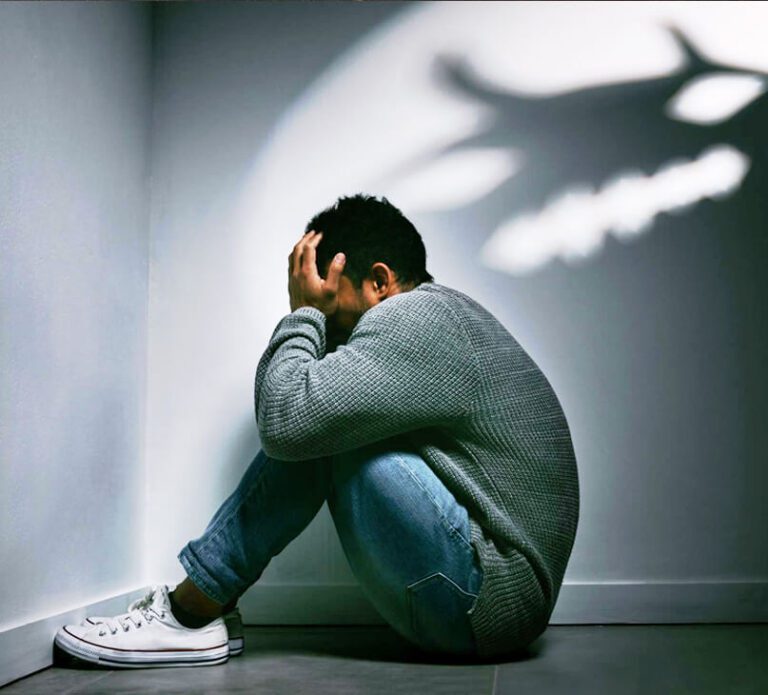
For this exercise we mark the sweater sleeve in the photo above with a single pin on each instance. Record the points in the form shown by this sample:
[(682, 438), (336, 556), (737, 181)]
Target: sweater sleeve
[(407, 365)]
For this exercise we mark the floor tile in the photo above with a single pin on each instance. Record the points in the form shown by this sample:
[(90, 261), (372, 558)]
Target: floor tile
[(656, 659), (613, 659)]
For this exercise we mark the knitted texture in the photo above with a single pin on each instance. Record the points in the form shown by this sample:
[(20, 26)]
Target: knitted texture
[(434, 370)]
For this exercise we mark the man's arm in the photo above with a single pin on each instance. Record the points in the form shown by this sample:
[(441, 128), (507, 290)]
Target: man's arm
[(406, 365)]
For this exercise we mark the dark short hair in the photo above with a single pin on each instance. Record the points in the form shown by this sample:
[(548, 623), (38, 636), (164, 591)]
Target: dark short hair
[(369, 230)]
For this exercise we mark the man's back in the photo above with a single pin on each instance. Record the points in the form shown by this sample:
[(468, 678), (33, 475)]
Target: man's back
[(511, 463)]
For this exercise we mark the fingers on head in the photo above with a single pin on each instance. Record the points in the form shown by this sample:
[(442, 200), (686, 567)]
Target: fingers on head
[(304, 250), (310, 250)]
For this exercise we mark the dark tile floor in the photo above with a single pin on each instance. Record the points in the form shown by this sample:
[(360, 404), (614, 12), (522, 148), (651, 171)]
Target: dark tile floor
[(613, 659)]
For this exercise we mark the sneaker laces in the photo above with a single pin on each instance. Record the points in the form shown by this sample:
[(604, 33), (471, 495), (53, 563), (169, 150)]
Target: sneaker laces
[(145, 601), (140, 611)]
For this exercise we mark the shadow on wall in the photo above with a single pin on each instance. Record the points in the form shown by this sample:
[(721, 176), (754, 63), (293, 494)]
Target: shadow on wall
[(603, 161), (610, 159)]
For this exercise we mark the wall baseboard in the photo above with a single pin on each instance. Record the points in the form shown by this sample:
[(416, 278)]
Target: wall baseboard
[(29, 647), (579, 603), (584, 603)]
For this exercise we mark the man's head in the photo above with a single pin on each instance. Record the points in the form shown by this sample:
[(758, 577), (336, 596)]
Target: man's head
[(385, 255)]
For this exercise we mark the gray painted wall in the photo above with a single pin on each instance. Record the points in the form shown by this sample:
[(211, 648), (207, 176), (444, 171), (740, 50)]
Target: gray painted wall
[(74, 136), (653, 346)]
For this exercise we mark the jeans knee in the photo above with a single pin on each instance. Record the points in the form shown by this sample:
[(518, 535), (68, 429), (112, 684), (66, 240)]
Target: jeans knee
[(344, 467), (356, 473)]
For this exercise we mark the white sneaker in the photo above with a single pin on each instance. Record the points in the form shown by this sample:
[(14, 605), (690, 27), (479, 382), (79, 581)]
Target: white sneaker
[(147, 635), (233, 621)]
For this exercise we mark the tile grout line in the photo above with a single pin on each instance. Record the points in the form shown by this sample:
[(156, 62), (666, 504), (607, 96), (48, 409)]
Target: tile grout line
[(495, 678)]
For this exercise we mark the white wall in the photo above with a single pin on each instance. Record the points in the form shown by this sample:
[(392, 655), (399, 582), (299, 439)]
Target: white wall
[(267, 112), (74, 137), (262, 113)]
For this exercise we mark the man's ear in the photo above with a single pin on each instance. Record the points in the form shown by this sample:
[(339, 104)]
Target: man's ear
[(382, 275)]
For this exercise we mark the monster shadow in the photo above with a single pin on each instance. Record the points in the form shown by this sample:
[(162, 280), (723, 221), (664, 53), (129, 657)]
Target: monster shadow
[(589, 136)]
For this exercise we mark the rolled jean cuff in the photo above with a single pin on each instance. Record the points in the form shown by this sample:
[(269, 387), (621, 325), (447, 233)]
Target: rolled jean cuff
[(202, 578)]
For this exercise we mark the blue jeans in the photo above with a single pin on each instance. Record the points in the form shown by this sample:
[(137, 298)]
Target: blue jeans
[(405, 536)]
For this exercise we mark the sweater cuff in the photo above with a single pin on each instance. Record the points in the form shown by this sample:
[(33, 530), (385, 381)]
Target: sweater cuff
[(312, 312)]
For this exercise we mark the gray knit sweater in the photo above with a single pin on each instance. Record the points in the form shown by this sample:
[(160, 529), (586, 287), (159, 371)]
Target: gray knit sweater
[(431, 365)]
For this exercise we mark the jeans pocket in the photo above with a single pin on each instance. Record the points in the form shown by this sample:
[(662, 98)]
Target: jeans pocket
[(438, 608)]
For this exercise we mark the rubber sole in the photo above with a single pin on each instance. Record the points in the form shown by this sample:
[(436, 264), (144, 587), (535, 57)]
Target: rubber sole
[(236, 645), (114, 658)]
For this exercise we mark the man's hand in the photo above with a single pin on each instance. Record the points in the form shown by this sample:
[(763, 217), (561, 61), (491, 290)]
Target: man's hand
[(305, 286)]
